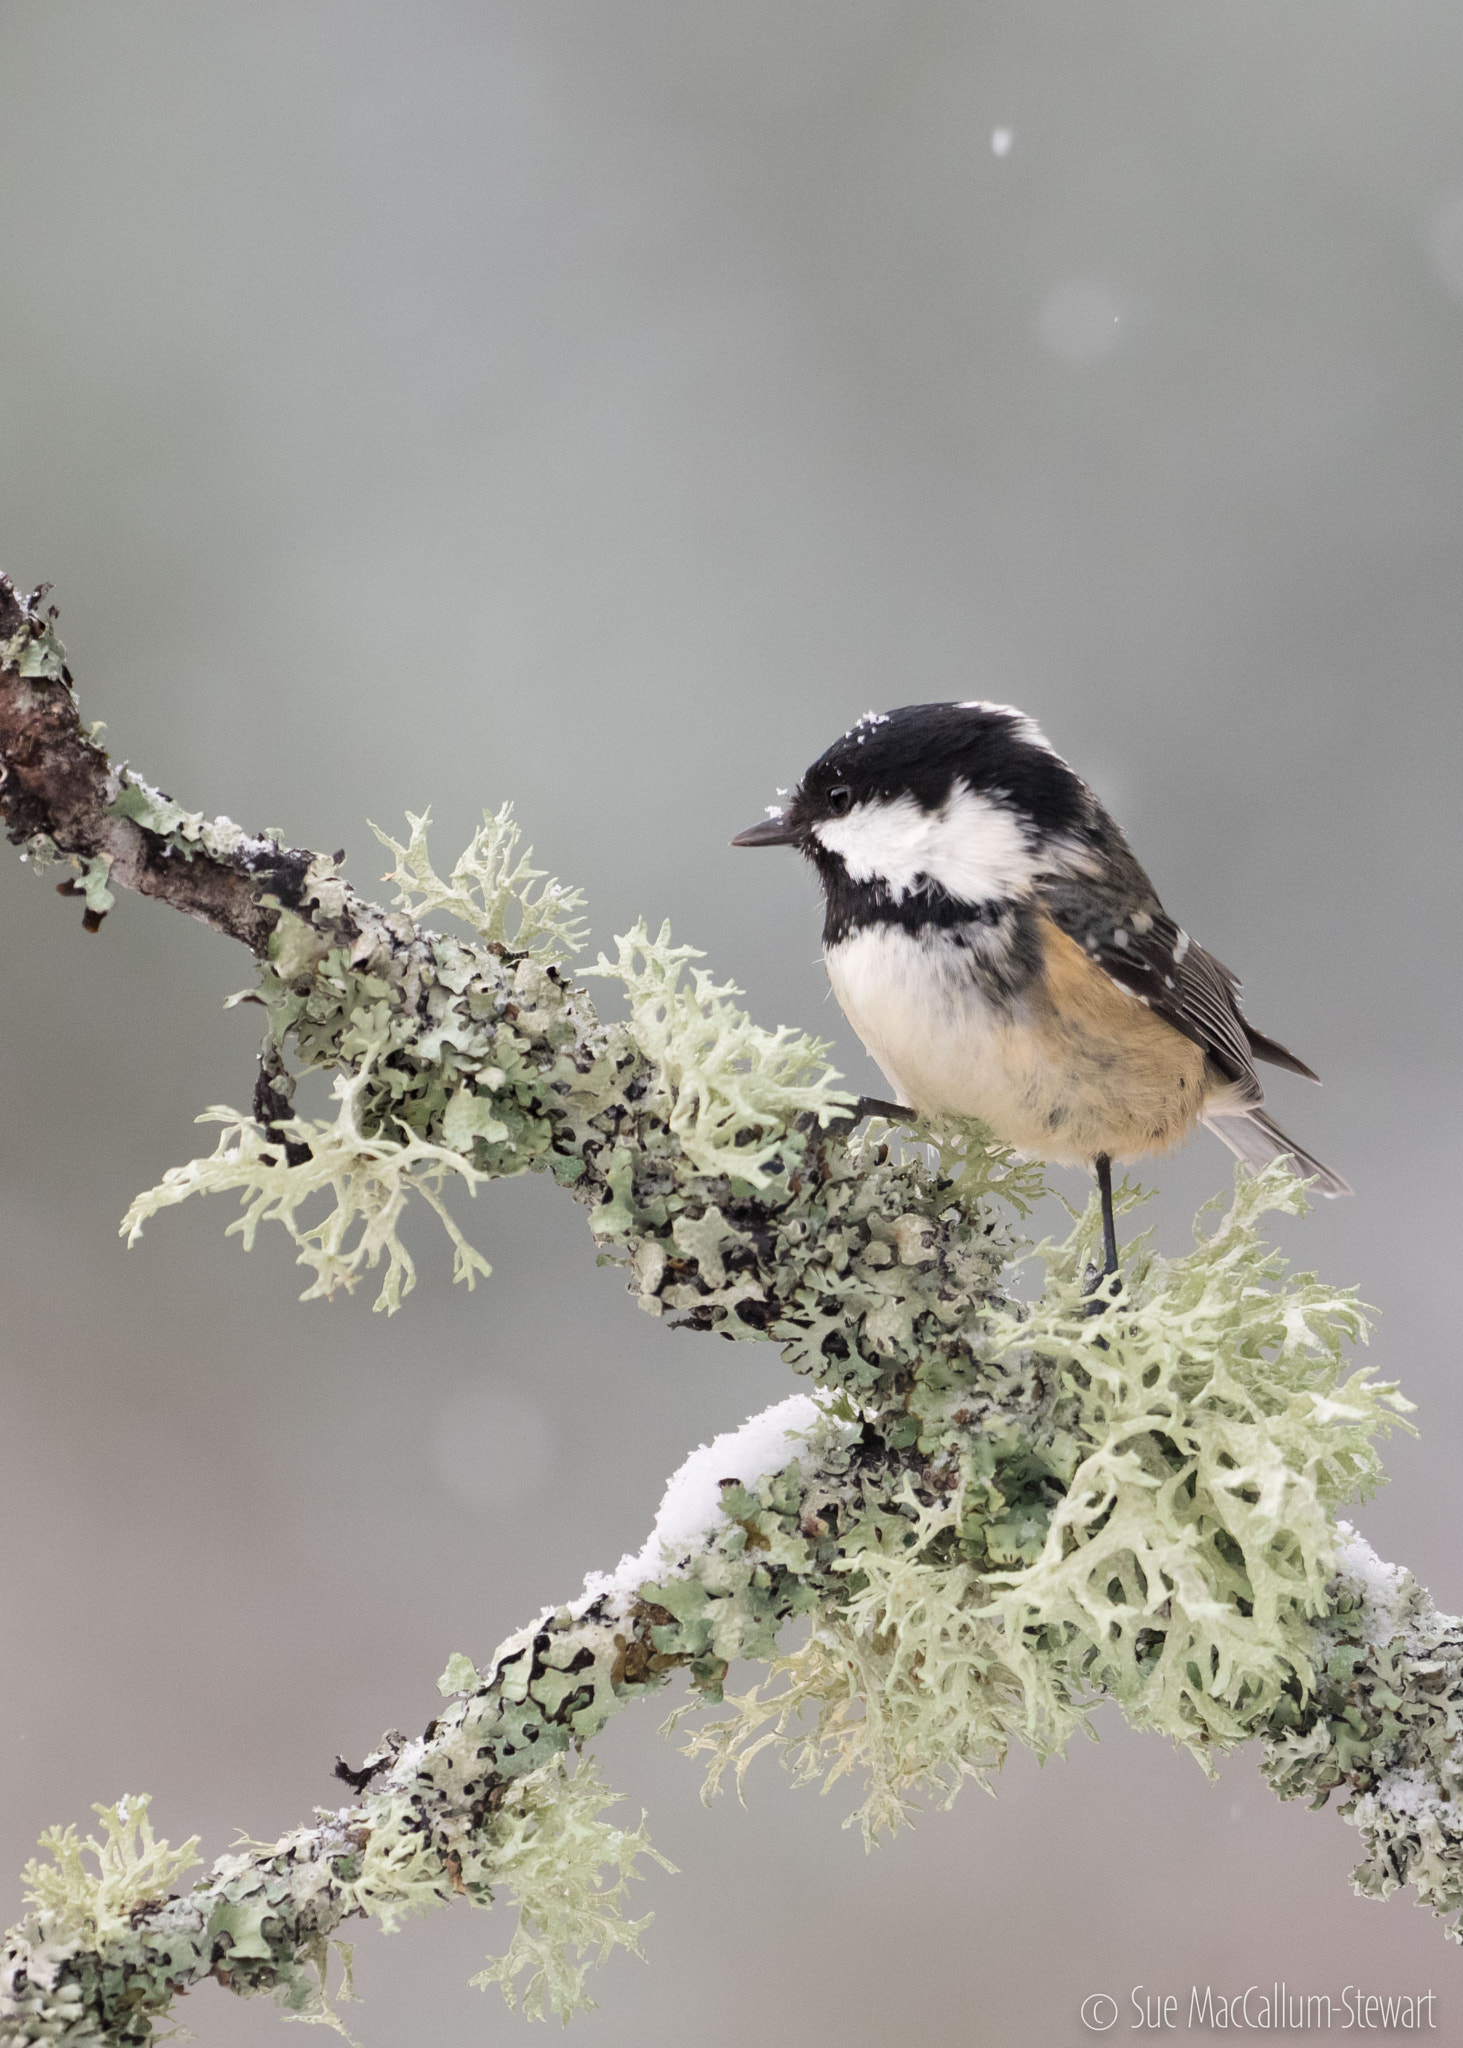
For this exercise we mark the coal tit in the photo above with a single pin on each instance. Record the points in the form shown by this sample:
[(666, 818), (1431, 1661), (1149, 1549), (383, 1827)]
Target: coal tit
[(1001, 953)]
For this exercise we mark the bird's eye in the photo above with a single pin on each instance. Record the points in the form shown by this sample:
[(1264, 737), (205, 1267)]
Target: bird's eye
[(840, 798)]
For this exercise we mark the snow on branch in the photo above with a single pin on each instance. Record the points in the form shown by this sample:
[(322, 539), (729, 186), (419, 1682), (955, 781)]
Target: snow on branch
[(988, 1514)]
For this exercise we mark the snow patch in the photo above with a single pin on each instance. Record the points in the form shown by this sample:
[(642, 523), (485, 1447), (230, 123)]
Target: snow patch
[(691, 1508), (1383, 1586)]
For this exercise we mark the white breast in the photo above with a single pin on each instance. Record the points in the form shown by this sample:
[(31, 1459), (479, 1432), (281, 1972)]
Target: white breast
[(940, 1045)]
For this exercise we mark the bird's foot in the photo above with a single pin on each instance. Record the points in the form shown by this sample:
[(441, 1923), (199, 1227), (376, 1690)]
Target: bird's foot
[(1101, 1285), (892, 1112), (858, 1112)]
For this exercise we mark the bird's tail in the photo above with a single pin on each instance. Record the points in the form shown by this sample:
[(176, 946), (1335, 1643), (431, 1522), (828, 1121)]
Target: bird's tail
[(1255, 1139)]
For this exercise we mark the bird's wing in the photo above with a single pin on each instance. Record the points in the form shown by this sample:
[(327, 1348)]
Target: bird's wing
[(1146, 954)]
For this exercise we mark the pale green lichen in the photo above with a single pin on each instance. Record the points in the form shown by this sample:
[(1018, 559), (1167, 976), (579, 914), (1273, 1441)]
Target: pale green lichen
[(368, 1179), (729, 1088), (911, 1681), (1158, 1525), (551, 1850), (465, 1091), (1383, 1731), (132, 1868), (491, 888), (980, 1168), (90, 877), (36, 650), (93, 885), (1166, 1536), (459, 1676), (915, 1678), (1215, 1433), (41, 852), (184, 832), (422, 1097)]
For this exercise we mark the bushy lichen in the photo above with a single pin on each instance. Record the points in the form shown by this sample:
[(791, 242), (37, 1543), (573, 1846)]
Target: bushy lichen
[(685, 1130), (369, 1179), (728, 1090), (132, 1867), (1212, 1435), (552, 1848), (1160, 1531), (914, 1673), (432, 1077), (908, 1680), (491, 888)]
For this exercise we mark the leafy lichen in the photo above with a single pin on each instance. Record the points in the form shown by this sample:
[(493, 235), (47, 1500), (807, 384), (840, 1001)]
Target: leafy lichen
[(182, 832), (36, 650), (1382, 1729)]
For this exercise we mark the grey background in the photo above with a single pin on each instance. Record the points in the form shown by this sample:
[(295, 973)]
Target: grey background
[(600, 405)]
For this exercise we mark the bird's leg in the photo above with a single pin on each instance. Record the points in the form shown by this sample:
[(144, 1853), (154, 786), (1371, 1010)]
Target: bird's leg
[(1102, 1167)]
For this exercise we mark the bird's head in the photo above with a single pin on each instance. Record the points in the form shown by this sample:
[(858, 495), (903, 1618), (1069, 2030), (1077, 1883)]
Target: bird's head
[(960, 798)]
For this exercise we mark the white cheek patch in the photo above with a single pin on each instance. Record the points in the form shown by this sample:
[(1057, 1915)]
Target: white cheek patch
[(972, 846)]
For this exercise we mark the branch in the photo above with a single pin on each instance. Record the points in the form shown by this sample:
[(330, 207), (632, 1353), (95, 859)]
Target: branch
[(1001, 1514), (62, 795), (478, 1802)]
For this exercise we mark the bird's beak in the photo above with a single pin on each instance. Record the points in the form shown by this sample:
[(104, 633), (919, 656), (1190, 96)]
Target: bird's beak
[(771, 832)]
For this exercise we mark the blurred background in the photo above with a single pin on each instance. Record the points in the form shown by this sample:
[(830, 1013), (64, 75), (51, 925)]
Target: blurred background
[(601, 405)]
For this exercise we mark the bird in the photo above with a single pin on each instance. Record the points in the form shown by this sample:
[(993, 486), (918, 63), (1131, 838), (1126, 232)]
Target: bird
[(993, 940)]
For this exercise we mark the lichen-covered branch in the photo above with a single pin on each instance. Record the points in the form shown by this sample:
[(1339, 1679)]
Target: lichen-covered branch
[(61, 796), (1384, 1729), (484, 1800), (995, 1513)]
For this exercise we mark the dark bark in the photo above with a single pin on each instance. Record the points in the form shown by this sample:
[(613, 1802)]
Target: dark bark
[(57, 783)]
